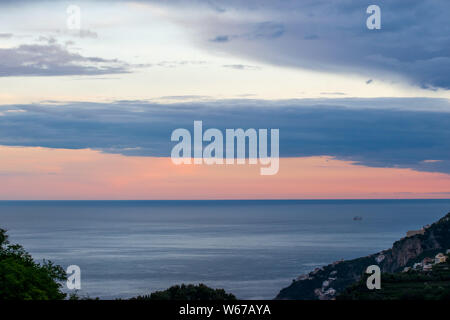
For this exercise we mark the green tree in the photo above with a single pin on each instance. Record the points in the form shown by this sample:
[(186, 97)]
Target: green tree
[(21, 278), (188, 292)]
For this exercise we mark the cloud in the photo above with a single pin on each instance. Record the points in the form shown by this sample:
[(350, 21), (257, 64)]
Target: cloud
[(49, 40), (267, 30), (311, 37), (85, 33), (241, 67), (54, 60), (412, 45), (174, 64), (397, 134), (81, 33), (333, 93), (222, 38), (185, 97), (6, 35), (256, 31)]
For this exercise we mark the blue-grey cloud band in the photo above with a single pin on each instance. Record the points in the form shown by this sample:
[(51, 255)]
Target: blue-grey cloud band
[(355, 129)]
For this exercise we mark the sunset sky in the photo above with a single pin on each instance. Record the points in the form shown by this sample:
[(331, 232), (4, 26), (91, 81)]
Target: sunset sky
[(88, 113)]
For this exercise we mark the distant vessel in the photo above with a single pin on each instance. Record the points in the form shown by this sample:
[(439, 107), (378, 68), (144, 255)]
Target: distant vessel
[(357, 218)]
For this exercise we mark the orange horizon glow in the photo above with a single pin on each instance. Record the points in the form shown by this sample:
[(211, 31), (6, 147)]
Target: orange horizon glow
[(34, 173)]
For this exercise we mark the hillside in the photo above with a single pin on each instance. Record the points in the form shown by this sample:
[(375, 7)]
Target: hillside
[(410, 285), (328, 281)]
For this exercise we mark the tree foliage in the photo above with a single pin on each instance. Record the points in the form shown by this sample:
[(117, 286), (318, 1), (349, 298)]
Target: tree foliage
[(188, 292), (21, 278), (411, 285)]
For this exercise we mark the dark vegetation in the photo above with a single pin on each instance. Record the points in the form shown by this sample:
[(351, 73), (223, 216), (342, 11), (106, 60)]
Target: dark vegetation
[(21, 278), (188, 292), (412, 285)]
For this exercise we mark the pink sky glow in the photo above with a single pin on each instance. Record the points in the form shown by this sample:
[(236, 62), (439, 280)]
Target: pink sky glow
[(40, 173)]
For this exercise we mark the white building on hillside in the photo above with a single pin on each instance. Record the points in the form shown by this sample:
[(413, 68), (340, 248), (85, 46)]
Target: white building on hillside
[(440, 258)]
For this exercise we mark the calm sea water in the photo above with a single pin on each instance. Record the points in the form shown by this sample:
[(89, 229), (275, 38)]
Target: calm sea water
[(250, 248)]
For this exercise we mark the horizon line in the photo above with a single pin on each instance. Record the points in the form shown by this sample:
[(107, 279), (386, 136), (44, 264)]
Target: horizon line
[(146, 200)]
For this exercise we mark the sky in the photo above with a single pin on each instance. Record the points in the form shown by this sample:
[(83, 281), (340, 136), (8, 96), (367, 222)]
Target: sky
[(88, 112)]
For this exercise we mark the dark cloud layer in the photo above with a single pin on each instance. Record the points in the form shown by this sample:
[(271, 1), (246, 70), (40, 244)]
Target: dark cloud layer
[(413, 42), (373, 136)]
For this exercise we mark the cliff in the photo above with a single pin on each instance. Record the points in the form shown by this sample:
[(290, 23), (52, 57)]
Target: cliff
[(327, 282)]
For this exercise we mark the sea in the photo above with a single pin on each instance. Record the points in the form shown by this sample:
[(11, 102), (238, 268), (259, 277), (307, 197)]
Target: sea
[(251, 248)]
